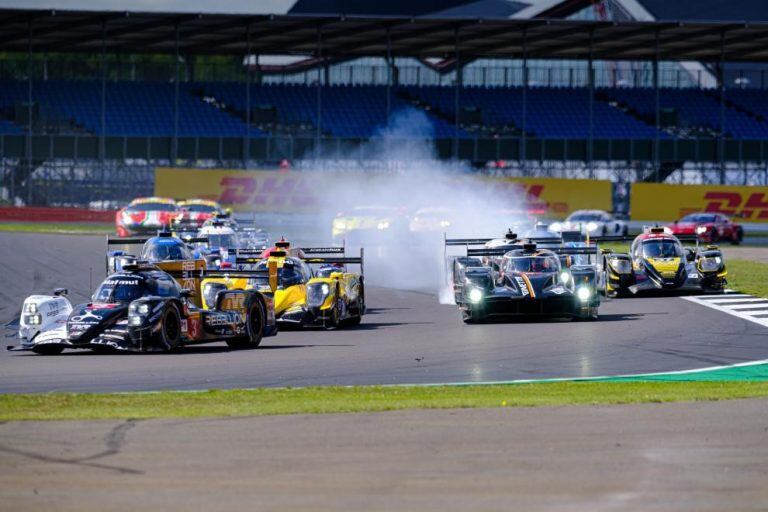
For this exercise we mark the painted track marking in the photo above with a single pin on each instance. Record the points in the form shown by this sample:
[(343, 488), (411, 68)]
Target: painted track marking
[(747, 307)]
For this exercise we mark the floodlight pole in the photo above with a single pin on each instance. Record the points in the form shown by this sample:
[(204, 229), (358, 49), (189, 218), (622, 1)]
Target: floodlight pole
[(591, 73), (721, 84), (318, 130), (524, 127), (28, 148), (657, 108), (389, 74), (457, 84), (175, 145), (103, 106), (247, 143)]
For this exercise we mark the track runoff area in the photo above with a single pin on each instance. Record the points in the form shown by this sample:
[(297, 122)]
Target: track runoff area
[(408, 337)]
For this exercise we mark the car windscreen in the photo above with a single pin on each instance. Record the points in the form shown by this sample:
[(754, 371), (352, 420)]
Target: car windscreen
[(533, 264), (699, 217), (662, 249), (163, 252), (152, 207), (225, 241), (200, 208), (585, 217), (119, 290)]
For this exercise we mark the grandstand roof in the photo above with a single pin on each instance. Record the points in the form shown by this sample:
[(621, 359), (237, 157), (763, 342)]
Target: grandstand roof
[(352, 36)]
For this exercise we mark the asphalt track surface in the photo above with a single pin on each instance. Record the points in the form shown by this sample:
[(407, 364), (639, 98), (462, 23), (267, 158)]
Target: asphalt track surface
[(408, 337)]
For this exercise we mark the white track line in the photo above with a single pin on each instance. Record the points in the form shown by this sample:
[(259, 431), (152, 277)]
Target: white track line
[(746, 307)]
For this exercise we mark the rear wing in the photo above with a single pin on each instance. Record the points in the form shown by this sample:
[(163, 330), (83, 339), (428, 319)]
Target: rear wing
[(115, 240), (339, 260), (620, 238), (562, 251)]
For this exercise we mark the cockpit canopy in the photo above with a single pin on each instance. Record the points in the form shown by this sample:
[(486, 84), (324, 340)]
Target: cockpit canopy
[(662, 248), (165, 249), (542, 262)]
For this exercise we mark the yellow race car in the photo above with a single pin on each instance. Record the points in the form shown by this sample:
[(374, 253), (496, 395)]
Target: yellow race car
[(307, 289)]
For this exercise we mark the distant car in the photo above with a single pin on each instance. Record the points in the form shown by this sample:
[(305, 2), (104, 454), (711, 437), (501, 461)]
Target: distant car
[(432, 219), (370, 224), (143, 309), (709, 228), (145, 215), (194, 212), (593, 223)]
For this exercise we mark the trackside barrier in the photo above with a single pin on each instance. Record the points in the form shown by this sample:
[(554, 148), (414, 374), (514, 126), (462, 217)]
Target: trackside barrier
[(43, 214), (313, 192), (662, 202)]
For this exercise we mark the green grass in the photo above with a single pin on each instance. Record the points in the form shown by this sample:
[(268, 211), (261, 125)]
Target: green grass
[(748, 277), (65, 228), (323, 400)]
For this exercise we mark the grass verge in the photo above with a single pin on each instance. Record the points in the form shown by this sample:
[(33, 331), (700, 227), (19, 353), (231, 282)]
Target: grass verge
[(64, 228), (748, 277), (323, 400)]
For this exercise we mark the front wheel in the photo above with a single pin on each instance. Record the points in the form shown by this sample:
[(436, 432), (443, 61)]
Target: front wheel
[(170, 328), (48, 350), (254, 329)]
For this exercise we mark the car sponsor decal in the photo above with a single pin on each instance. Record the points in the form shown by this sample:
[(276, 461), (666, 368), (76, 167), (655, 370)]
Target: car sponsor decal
[(87, 315), (223, 318), (521, 284)]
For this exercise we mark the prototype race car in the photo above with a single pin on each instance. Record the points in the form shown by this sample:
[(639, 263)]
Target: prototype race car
[(657, 261), (143, 309), (520, 279), (145, 215), (329, 296), (373, 223), (709, 227), (592, 223), (193, 213)]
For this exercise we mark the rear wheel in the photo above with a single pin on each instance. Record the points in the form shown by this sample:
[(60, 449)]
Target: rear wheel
[(48, 350), (738, 237), (254, 329), (170, 327)]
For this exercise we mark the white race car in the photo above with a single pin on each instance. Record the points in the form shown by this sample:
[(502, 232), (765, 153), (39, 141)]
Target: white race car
[(592, 222)]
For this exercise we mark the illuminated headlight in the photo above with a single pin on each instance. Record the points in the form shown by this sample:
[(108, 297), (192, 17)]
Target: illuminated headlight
[(620, 266), (383, 225), (556, 226), (30, 307), (583, 293), (135, 320), (143, 309), (475, 295), (710, 264), (565, 277), (700, 230), (209, 293), (445, 223), (339, 224), (33, 319), (592, 226), (317, 293)]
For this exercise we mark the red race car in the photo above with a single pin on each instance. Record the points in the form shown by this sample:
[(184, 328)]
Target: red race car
[(145, 215), (709, 227)]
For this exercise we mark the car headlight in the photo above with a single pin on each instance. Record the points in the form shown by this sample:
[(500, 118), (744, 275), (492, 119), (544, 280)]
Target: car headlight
[(383, 225), (475, 295), (33, 319), (592, 226), (317, 293), (135, 320), (584, 293), (700, 230), (620, 265), (565, 277), (556, 226), (209, 293), (30, 307), (710, 264), (339, 224)]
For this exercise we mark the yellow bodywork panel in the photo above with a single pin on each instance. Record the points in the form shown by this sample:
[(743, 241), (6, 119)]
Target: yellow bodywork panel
[(187, 274), (667, 267)]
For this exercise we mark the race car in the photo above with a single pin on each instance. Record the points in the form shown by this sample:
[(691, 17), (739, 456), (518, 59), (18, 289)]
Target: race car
[(593, 223), (145, 215), (143, 309), (657, 261), (709, 228), (169, 253), (194, 212), (370, 224), (433, 219), (330, 296), (521, 279)]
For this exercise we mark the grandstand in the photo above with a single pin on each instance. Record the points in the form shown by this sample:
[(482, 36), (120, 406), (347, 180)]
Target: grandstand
[(589, 97)]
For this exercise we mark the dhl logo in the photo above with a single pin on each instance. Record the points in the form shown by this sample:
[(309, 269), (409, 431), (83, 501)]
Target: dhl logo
[(748, 206), (303, 192)]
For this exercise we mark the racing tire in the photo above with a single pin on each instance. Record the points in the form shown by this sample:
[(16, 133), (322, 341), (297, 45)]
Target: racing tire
[(170, 328), (738, 238), (334, 321), (625, 231), (254, 329), (48, 350)]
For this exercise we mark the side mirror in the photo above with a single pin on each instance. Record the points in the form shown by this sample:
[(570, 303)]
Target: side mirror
[(60, 292), (187, 293)]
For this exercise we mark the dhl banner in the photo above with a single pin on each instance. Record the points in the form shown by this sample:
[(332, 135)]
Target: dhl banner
[(662, 202), (311, 192)]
